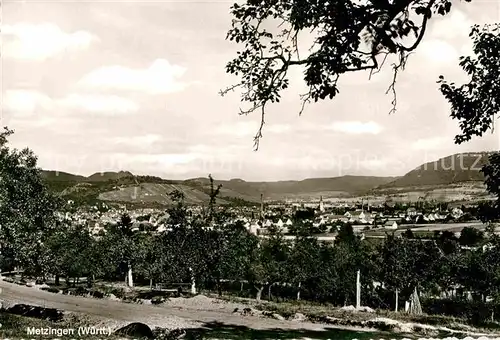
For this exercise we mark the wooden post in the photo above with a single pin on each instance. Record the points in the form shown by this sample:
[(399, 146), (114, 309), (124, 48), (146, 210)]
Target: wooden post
[(193, 281), (130, 280), (358, 291), (397, 300)]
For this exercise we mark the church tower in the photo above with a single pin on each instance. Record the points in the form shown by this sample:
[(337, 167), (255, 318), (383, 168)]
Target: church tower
[(262, 208), (321, 205)]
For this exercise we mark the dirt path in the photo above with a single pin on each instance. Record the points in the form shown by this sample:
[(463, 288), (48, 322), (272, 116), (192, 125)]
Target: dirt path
[(154, 316)]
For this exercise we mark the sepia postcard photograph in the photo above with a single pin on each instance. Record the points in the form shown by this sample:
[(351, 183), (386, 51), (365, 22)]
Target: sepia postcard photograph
[(249, 169)]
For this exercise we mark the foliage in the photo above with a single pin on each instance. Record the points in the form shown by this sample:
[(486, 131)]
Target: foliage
[(474, 104), (470, 236), (27, 208), (348, 36)]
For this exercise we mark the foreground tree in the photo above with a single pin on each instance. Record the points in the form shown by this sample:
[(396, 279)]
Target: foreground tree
[(303, 262), (348, 36), (124, 247), (27, 209), (71, 251)]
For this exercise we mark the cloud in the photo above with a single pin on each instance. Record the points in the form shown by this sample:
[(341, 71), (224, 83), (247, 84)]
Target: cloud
[(40, 42), (439, 51), (99, 104), (238, 129), (356, 127), (429, 143), (164, 160), (160, 78), (278, 128), (134, 141), (448, 38), (246, 129), (454, 25), (25, 102)]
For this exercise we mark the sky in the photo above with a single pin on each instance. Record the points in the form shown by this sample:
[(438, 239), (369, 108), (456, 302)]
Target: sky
[(94, 86)]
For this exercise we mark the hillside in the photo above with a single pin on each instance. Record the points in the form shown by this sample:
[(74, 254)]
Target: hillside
[(125, 187), (310, 188), (60, 176), (455, 177), (197, 190), (108, 176), (453, 169)]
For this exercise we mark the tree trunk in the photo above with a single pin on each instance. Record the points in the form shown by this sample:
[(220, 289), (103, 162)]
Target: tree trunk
[(56, 279), (397, 300), (259, 293), (298, 291), (269, 292), (150, 284), (241, 286), (78, 280)]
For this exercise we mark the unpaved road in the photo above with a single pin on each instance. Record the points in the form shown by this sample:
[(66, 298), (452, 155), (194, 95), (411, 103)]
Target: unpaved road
[(154, 316)]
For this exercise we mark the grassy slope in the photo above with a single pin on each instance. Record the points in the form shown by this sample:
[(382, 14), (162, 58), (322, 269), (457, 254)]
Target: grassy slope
[(445, 171)]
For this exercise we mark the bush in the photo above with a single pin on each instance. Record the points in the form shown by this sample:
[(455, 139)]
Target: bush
[(157, 300), (476, 312), (50, 289), (97, 294)]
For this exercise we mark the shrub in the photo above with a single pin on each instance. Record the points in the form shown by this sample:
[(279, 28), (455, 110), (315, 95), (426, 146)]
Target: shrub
[(476, 312)]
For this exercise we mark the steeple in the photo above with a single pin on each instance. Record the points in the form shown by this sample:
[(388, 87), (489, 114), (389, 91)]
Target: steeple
[(262, 207), (321, 205)]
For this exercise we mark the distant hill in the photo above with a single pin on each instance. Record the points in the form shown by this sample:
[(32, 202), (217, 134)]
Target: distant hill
[(333, 186), (108, 176), (449, 170), (123, 186), (60, 176), (450, 174)]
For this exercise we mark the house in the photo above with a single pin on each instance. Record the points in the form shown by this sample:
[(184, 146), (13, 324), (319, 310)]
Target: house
[(254, 228), (429, 218), (359, 216), (393, 225), (355, 215), (411, 211), (289, 222), (338, 218), (456, 213)]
